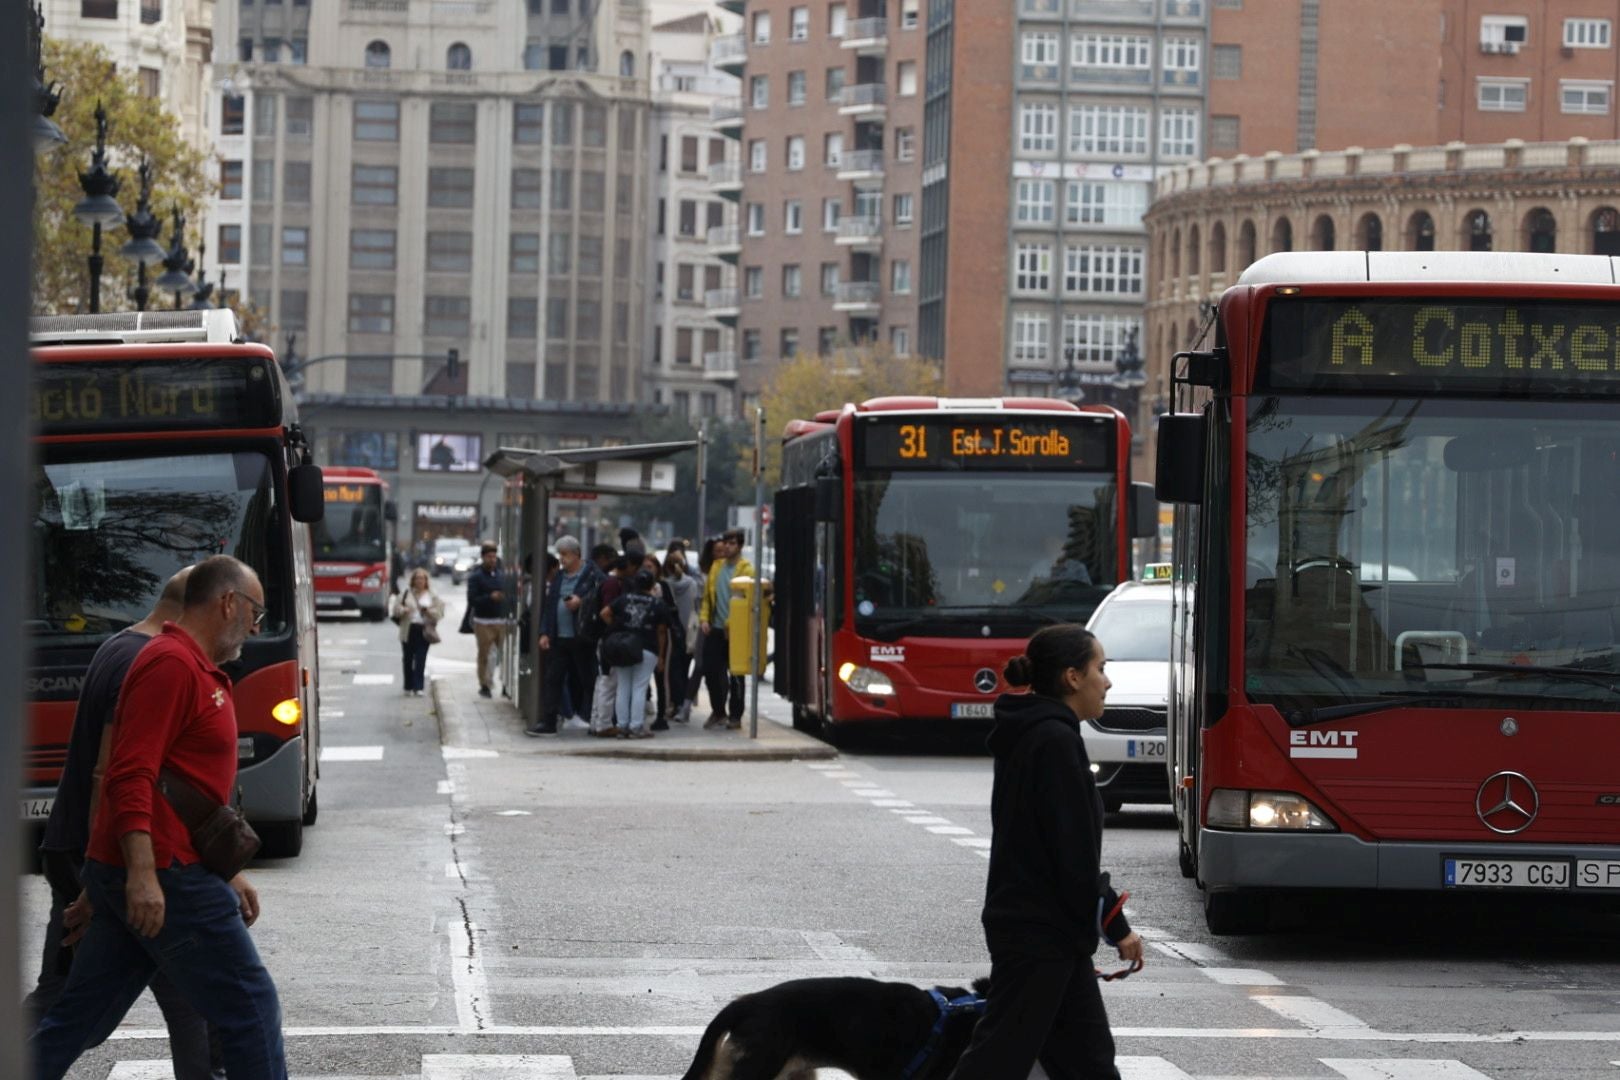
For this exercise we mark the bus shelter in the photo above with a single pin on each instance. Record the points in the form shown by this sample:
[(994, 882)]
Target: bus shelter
[(532, 478)]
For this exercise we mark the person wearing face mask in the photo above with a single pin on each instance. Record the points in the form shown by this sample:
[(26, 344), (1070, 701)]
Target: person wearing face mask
[(1048, 902), (153, 905)]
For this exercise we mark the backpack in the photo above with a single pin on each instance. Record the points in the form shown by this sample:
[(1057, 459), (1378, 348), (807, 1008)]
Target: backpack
[(588, 624)]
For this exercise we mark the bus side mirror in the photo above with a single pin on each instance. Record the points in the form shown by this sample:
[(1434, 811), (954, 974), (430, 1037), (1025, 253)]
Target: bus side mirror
[(1179, 472), (306, 494), (828, 493), (390, 510), (1144, 511)]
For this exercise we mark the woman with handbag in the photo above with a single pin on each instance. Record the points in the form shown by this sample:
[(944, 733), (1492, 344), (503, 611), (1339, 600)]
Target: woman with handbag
[(687, 591), (417, 610)]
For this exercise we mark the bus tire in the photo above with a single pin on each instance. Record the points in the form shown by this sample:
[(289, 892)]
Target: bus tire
[(281, 839), (1189, 865), (1235, 912), (312, 809), (1113, 804), (375, 614)]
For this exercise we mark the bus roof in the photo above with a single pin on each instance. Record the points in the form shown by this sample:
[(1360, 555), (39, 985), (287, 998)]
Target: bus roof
[(213, 326), (1430, 267), (826, 418), (351, 473)]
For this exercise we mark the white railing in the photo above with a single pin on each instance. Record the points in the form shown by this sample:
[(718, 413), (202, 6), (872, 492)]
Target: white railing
[(728, 49)]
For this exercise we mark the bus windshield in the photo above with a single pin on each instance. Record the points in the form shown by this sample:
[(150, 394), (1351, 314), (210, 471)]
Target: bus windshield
[(352, 530), (1035, 547), (1384, 535), (108, 532)]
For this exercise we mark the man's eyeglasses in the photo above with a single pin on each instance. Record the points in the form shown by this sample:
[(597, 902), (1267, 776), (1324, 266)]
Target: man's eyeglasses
[(259, 610)]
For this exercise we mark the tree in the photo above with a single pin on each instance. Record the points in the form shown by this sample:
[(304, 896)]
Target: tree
[(807, 385), (137, 126)]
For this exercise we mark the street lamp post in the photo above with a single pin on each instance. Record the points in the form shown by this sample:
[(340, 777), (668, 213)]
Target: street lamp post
[(98, 207), (176, 276), (144, 227), (1129, 377), (1068, 379), (204, 290), (47, 136)]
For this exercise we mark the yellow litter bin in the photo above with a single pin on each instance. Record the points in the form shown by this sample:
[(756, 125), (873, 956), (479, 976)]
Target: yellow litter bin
[(739, 617)]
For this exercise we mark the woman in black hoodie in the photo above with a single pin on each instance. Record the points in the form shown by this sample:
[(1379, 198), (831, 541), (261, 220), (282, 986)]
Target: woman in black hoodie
[(1047, 902)]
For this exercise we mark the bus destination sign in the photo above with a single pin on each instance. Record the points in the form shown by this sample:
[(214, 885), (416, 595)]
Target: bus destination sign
[(351, 493), (1016, 441), (1436, 345), (99, 396)]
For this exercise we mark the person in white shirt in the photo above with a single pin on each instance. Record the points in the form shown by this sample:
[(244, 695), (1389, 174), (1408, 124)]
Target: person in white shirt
[(417, 610)]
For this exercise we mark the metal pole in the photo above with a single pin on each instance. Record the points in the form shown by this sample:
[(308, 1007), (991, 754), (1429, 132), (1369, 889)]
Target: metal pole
[(759, 571), (702, 481), (95, 269)]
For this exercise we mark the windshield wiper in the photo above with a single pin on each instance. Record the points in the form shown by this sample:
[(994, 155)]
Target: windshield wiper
[(1329, 713), (1609, 680)]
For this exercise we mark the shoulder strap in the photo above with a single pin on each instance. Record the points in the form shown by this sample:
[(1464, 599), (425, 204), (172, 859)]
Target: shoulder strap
[(192, 805)]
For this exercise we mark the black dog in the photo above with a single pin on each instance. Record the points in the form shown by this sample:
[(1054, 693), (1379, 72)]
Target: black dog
[(871, 1030)]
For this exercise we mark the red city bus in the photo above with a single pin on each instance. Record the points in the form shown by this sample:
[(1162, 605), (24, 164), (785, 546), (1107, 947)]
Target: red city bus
[(353, 552), (1397, 500), (160, 441), (920, 541)]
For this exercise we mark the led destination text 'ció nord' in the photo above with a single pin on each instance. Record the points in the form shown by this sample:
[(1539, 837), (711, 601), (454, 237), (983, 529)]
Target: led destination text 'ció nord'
[(1417, 341), (152, 395)]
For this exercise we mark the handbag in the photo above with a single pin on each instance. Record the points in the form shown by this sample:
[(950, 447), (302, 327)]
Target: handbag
[(622, 648), (466, 621), (430, 632), (225, 842)]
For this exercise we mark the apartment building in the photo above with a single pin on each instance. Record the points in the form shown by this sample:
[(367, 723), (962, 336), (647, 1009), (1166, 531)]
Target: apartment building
[(1290, 75), (829, 129), (691, 358)]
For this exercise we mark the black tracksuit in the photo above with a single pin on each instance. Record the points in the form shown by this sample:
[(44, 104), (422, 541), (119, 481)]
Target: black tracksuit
[(1042, 903)]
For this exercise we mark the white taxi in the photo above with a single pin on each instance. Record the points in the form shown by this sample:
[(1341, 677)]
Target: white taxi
[(1126, 744)]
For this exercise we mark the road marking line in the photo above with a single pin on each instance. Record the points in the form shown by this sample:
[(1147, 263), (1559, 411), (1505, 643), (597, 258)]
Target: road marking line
[(337, 661), (874, 793), (1402, 1069), (351, 753), (892, 803), (459, 753), (985, 852), (929, 819), (514, 813), (1240, 976), (1148, 1068), (467, 976), (823, 766), (454, 828), (1202, 955), (950, 830), (446, 787), (374, 680), (497, 1067), (829, 946), (972, 841), (332, 714), (839, 774), (1313, 1013), (854, 782), (142, 1070)]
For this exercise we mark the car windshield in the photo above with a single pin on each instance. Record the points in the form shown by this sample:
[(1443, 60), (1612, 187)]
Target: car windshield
[(1383, 535), (353, 526), (1135, 629), (1029, 547), (109, 532)]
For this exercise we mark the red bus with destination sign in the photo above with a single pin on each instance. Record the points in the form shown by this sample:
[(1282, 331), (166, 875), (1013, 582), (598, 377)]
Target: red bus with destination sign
[(920, 541), (353, 551), (161, 440), (1396, 664)]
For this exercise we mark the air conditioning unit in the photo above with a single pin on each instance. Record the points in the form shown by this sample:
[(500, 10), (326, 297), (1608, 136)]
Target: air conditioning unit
[(1490, 46), (1510, 47)]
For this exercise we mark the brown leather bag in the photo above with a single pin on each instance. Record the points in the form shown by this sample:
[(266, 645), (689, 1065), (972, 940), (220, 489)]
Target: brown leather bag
[(225, 842)]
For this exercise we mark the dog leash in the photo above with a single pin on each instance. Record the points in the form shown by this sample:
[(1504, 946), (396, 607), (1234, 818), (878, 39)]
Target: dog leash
[(947, 1007)]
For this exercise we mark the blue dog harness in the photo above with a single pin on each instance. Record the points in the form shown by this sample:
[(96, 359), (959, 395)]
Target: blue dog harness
[(947, 1008)]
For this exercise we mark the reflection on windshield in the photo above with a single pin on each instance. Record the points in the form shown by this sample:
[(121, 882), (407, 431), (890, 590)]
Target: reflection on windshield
[(927, 543), (351, 531), (1135, 629), (1385, 535), (108, 534)]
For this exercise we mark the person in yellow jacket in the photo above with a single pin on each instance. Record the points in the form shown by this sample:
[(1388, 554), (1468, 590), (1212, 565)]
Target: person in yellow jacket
[(725, 689)]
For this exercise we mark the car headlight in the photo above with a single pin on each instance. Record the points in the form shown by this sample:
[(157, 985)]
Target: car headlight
[(864, 680), (372, 581), (1230, 808)]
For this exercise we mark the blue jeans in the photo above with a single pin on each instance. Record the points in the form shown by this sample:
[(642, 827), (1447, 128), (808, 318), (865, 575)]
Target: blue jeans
[(204, 950), (632, 692), (415, 649)]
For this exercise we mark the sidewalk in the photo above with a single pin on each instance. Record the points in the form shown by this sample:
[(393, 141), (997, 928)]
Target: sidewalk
[(470, 722)]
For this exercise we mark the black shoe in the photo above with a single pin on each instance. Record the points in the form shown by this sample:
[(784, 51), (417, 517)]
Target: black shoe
[(483, 691), (539, 730), (660, 724)]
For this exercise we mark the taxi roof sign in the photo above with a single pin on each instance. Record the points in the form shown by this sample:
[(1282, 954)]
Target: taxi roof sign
[(1158, 571)]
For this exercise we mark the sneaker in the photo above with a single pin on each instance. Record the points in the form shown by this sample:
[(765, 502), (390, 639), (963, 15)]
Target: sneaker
[(733, 725), (684, 713), (576, 723), (624, 733), (660, 724), (606, 733), (539, 730), (715, 720), (483, 691), (642, 733)]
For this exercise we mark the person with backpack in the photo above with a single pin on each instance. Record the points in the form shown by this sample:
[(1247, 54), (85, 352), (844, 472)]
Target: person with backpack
[(639, 622), (611, 587), (568, 654)]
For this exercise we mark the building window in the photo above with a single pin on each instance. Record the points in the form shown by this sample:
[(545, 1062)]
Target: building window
[(264, 116), (369, 313), (244, 49), (264, 180), (826, 340), (1225, 133), (753, 283), (233, 114), (903, 209), (98, 9), (375, 185), (1032, 338), (900, 341), (1105, 202), (831, 211), (534, 56), (1032, 268), (1178, 132), (688, 224), (762, 28), (1103, 270), (837, 20), (1503, 33), (1109, 130), (1586, 33), (796, 84), (831, 273), (562, 124), (590, 256), (900, 277), (261, 245), (294, 314), (149, 81), (759, 92), (788, 344), (272, 50), (378, 55), (1035, 204), (756, 219), (295, 183), (1039, 49), (593, 131), (451, 188), (528, 125), (1181, 61), (792, 281), (562, 189), (560, 256), (298, 51), (689, 155), (448, 316), (300, 118), (799, 24), (1226, 61), (756, 155), (372, 249), (1131, 51), (1037, 128), (458, 57), (230, 179), (1585, 98), (557, 318), (449, 252), (453, 122), (526, 189), (522, 317), (795, 152), (835, 83), (793, 217), (230, 244), (376, 121), (832, 149), (905, 144), (905, 77), (1096, 339), (294, 246), (1503, 95)]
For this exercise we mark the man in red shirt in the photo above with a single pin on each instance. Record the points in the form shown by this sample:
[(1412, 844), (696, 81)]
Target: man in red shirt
[(155, 906)]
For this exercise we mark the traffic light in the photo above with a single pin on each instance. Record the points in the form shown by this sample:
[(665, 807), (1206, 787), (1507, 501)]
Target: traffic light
[(452, 364)]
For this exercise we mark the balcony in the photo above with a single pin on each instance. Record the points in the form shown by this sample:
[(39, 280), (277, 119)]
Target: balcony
[(734, 6), (725, 241), (723, 304), (725, 178), (720, 366), (729, 53), (867, 37), (862, 167), (861, 233), (858, 298), (864, 101), (726, 115)]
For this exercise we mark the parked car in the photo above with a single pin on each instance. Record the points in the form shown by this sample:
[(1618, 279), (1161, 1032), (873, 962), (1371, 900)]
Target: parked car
[(466, 559), (1126, 744), (445, 551)]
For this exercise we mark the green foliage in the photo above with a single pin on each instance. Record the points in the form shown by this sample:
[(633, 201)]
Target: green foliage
[(136, 126), (807, 385)]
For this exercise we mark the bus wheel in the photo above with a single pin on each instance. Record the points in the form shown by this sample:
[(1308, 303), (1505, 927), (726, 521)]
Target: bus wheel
[(281, 839), (1189, 865), (1235, 912), (801, 719), (373, 614), (1113, 804), (313, 809)]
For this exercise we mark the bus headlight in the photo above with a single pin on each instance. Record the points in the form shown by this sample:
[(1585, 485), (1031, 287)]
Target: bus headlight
[(1281, 810), (373, 581), (288, 712), (863, 680)]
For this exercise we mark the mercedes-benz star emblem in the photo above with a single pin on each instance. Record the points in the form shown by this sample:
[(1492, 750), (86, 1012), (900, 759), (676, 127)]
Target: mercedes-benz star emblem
[(984, 681), (1507, 803)]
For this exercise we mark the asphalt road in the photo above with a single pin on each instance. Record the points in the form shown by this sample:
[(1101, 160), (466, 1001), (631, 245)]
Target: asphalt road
[(454, 908)]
